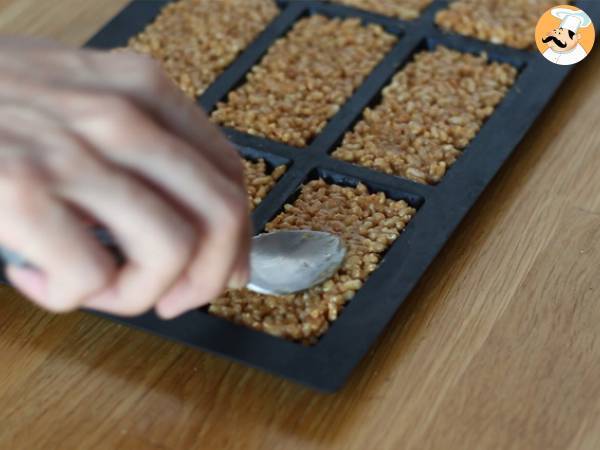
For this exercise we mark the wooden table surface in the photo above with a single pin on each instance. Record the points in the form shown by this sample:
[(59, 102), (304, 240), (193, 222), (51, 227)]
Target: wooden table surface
[(498, 347)]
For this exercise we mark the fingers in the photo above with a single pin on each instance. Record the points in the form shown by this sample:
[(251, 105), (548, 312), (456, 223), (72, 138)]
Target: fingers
[(135, 208), (58, 169), (113, 123), (31, 282), (157, 240), (72, 265), (170, 172), (216, 206), (141, 80), (148, 85), (221, 261)]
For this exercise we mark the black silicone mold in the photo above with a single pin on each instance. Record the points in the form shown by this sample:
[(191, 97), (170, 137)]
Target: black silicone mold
[(327, 365)]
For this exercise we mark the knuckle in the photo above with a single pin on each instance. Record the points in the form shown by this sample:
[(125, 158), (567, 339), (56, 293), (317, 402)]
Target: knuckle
[(142, 61), (111, 116), (20, 186), (85, 104), (80, 277), (117, 106), (25, 204), (230, 219), (91, 105), (120, 60), (79, 61), (100, 269), (239, 205), (69, 166), (177, 249), (152, 76), (21, 170), (210, 280), (146, 71), (140, 304), (166, 256), (52, 151), (68, 157)]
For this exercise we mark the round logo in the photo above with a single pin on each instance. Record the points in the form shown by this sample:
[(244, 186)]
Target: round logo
[(565, 35)]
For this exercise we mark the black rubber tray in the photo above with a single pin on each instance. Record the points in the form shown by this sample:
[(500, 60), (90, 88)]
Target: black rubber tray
[(327, 365)]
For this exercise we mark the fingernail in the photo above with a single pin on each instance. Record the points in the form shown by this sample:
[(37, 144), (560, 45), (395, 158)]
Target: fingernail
[(103, 301), (30, 282), (239, 280), (175, 303)]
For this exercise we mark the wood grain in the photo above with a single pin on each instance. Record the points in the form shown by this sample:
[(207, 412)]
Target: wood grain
[(497, 347)]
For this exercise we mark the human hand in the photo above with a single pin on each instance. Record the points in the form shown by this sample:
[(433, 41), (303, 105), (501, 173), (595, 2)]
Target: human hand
[(107, 135)]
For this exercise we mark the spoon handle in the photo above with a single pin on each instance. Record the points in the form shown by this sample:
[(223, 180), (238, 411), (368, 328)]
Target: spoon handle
[(9, 257), (13, 259)]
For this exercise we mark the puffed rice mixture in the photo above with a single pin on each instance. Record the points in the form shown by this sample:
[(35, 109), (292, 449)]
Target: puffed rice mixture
[(196, 40), (304, 79), (259, 181), (368, 223), (430, 112)]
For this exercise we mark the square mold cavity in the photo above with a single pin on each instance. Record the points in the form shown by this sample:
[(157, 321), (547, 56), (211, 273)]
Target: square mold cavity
[(305, 78), (429, 112), (369, 222)]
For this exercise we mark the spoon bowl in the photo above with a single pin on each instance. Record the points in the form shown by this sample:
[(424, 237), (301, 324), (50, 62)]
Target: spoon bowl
[(290, 261)]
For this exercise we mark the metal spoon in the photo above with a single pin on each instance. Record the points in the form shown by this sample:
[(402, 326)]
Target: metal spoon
[(281, 263), (286, 262)]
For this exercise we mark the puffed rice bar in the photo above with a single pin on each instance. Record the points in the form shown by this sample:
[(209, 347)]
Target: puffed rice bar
[(196, 40), (430, 112), (304, 79)]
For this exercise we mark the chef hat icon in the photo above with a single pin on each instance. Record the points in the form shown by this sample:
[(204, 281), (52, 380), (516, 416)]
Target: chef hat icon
[(572, 20)]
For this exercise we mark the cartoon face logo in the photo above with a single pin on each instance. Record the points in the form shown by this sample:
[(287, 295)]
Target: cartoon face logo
[(562, 33), (562, 40)]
